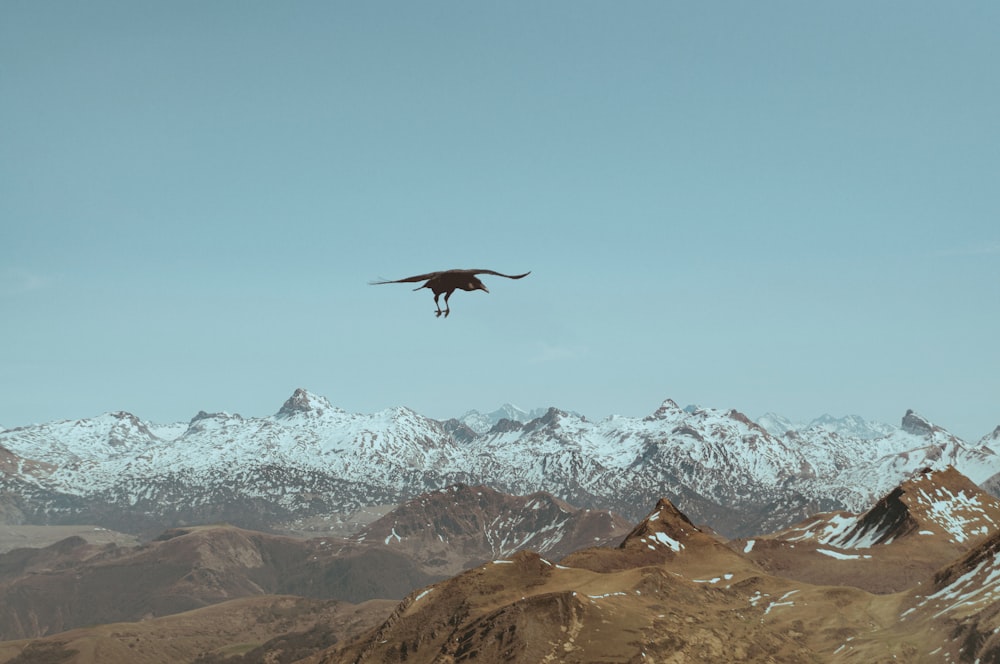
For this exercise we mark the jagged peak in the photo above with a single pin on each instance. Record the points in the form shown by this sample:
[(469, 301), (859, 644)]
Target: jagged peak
[(918, 425), (930, 500), (202, 415), (551, 418), (667, 409), (304, 402), (887, 521), (506, 426), (737, 416), (665, 526), (124, 415), (459, 430)]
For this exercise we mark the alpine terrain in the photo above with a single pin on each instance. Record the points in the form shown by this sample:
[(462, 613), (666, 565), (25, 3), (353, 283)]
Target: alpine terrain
[(312, 462)]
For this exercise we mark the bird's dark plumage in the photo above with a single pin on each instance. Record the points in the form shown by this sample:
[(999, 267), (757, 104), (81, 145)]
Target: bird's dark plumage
[(448, 281)]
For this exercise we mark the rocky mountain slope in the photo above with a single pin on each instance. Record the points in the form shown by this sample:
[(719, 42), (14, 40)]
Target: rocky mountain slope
[(445, 531), (71, 583), (312, 458), (289, 628), (74, 582), (919, 526), (668, 591), (672, 593)]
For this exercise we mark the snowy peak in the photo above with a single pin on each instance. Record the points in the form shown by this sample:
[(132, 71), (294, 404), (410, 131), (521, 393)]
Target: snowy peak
[(889, 520), (665, 529), (551, 420), (918, 426), (125, 427), (948, 504), (210, 423), (943, 504), (303, 402), (668, 410), (853, 426), (777, 425), (483, 422)]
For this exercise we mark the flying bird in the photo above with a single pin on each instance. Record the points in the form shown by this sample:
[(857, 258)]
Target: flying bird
[(448, 281)]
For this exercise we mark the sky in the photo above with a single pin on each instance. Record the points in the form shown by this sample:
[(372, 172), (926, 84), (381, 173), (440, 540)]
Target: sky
[(774, 206)]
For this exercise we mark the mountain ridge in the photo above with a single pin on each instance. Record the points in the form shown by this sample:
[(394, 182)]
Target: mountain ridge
[(312, 458), (669, 591)]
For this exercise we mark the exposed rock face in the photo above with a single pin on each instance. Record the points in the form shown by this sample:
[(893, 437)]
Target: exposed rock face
[(914, 529), (916, 425), (302, 402), (446, 531)]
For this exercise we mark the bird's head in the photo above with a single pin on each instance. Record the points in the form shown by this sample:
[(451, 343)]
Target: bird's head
[(476, 284)]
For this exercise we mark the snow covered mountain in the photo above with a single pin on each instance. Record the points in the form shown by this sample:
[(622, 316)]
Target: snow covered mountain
[(853, 426), (483, 422), (312, 459)]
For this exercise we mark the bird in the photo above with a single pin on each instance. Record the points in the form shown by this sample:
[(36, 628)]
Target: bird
[(448, 281)]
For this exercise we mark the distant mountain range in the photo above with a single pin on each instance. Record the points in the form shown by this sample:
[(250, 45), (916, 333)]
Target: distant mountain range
[(313, 460), (850, 426)]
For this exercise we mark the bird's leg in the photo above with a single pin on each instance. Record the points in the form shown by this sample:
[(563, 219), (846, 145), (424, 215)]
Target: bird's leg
[(436, 296), (447, 308)]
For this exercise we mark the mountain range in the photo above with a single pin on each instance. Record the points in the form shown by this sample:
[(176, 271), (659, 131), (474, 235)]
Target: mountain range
[(915, 578), (312, 460), (671, 592)]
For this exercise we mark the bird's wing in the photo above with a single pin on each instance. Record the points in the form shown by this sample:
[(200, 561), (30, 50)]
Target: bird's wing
[(499, 274), (419, 277)]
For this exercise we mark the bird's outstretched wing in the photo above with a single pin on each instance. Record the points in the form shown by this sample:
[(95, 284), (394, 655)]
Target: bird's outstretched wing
[(432, 275), (419, 277), (499, 274)]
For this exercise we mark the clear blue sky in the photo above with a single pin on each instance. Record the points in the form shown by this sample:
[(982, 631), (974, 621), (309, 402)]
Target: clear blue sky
[(769, 206)]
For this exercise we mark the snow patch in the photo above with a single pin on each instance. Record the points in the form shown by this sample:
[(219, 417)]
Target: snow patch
[(842, 556)]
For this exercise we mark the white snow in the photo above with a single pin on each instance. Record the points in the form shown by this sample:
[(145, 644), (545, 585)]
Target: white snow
[(726, 454), (665, 539), (978, 586), (781, 602), (842, 556)]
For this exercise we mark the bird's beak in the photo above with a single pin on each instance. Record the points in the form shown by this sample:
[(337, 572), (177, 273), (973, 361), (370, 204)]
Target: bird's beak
[(484, 288)]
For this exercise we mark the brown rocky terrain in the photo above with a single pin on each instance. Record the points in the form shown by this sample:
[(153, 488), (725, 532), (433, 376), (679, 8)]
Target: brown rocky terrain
[(288, 628), (914, 579), (668, 590), (37, 537), (73, 583), (77, 582), (452, 529), (673, 593), (922, 525)]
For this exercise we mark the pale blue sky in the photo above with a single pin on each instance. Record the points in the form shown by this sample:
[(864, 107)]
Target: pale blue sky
[(769, 206)]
